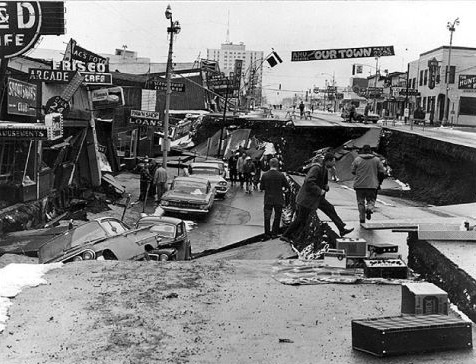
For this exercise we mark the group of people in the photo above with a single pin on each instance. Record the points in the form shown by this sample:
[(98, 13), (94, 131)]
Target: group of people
[(247, 171), (153, 176), (369, 173)]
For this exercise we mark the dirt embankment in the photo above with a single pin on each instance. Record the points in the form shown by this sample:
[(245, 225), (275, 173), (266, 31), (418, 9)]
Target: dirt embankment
[(438, 173)]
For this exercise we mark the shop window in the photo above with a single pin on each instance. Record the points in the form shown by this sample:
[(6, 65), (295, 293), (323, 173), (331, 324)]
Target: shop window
[(143, 132), (425, 77), (7, 161), (421, 79), (467, 105), (414, 83), (424, 103), (451, 76)]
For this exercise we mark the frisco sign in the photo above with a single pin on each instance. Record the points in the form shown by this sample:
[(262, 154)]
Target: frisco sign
[(342, 53), (467, 82), (146, 118), (22, 98)]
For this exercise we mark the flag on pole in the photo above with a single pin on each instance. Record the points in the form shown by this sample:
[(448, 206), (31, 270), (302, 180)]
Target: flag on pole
[(273, 59)]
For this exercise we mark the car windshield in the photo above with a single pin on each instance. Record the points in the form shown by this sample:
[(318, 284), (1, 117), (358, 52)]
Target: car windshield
[(162, 229), (87, 232), (209, 171), (194, 188)]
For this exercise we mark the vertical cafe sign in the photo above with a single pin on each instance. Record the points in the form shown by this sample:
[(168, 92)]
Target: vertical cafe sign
[(22, 22)]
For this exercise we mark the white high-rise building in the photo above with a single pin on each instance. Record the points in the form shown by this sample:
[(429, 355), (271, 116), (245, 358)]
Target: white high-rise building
[(252, 69)]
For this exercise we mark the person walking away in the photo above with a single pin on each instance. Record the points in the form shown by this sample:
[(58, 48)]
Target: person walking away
[(366, 113), (232, 168), (248, 172), (301, 109), (257, 176), (351, 112), (160, 181), (145, 179), (310, 197), (239, 168), (272, 183), (366, 168)]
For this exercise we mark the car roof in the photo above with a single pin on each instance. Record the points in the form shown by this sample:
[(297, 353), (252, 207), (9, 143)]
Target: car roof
[(166, 219), (205, 164), (191, 178)]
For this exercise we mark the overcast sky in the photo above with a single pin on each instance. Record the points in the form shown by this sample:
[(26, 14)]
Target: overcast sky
[(412, 27)]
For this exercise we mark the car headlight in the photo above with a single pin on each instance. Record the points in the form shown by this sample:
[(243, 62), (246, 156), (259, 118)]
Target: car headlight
[(164, 202), (222, 183), (89, 255), (203, 207)]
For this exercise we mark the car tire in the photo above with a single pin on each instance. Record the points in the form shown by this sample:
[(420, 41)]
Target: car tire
[(189, 253)]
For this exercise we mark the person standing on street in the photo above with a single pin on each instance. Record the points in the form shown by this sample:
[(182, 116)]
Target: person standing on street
[(366, 169), (301, 109), (351, 112), (232, 168), (239, 168), (366, 113), (160, 181), (311, 196), (272, 183), (145, 179), (248, 173)]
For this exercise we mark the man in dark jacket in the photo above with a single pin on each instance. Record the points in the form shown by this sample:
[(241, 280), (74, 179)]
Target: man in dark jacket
[(232, 168), (272, 183), (311, 196), (366, 168)]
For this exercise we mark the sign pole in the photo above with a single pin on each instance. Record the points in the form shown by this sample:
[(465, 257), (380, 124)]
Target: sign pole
[(3, 78)]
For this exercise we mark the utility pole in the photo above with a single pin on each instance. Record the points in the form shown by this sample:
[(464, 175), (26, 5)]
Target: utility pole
[(451, 28), (224, 119), (173, 29)]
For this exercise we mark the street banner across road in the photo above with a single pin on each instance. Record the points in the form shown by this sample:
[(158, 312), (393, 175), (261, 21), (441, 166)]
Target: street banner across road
[(342, 53)]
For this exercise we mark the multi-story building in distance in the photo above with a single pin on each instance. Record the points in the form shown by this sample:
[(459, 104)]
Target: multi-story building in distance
[(252, 69)]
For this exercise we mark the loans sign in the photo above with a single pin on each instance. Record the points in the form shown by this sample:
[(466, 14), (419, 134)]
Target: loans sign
[(20, 23), (342, 53), (146, 118)]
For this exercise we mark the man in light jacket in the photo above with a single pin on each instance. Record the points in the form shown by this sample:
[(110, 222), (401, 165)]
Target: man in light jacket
[(366, 168)]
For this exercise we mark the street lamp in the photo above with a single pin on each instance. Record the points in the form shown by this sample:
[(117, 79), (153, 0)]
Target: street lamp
[(173, 29), (451, 28), (333, 86)]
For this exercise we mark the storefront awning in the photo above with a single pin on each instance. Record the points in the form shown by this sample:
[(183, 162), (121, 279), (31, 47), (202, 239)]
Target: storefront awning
[(31, 131)]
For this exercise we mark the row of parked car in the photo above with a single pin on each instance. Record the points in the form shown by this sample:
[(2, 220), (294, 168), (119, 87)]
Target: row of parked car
[(153, 237), (195, 193)]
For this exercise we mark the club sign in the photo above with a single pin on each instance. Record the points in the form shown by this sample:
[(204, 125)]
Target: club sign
[(20, 23)]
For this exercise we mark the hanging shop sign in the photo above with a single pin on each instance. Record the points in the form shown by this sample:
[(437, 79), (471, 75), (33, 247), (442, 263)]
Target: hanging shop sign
[(76, 53), (107, 98), (22, 98), (409, 92), (467, 82), (174, 86), (54, 126), (35, 131), (49, 75), (22, 22), (97, 78), (145, 118), (342, 53), (80, 66)]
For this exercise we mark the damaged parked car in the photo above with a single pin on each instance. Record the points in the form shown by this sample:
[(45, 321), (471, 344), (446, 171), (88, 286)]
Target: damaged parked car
[(175, 243), (105, 238)]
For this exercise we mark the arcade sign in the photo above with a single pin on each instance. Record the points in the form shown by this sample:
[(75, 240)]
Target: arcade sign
[(342, 53), (22, 98)]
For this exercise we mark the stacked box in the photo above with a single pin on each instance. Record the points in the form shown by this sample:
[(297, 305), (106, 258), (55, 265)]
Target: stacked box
[(354, 248), (424, 299), (385, 268), (335, 258), (410, 334)]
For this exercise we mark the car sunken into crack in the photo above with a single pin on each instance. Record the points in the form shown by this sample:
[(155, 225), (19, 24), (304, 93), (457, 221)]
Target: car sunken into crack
[(175, 243), (214, 172), (105, 238)]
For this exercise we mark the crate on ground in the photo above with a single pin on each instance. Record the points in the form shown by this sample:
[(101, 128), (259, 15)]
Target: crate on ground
[(355, 248), (381, 248), (385, 268), (335, 258), (424, 299), (385, 336)]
